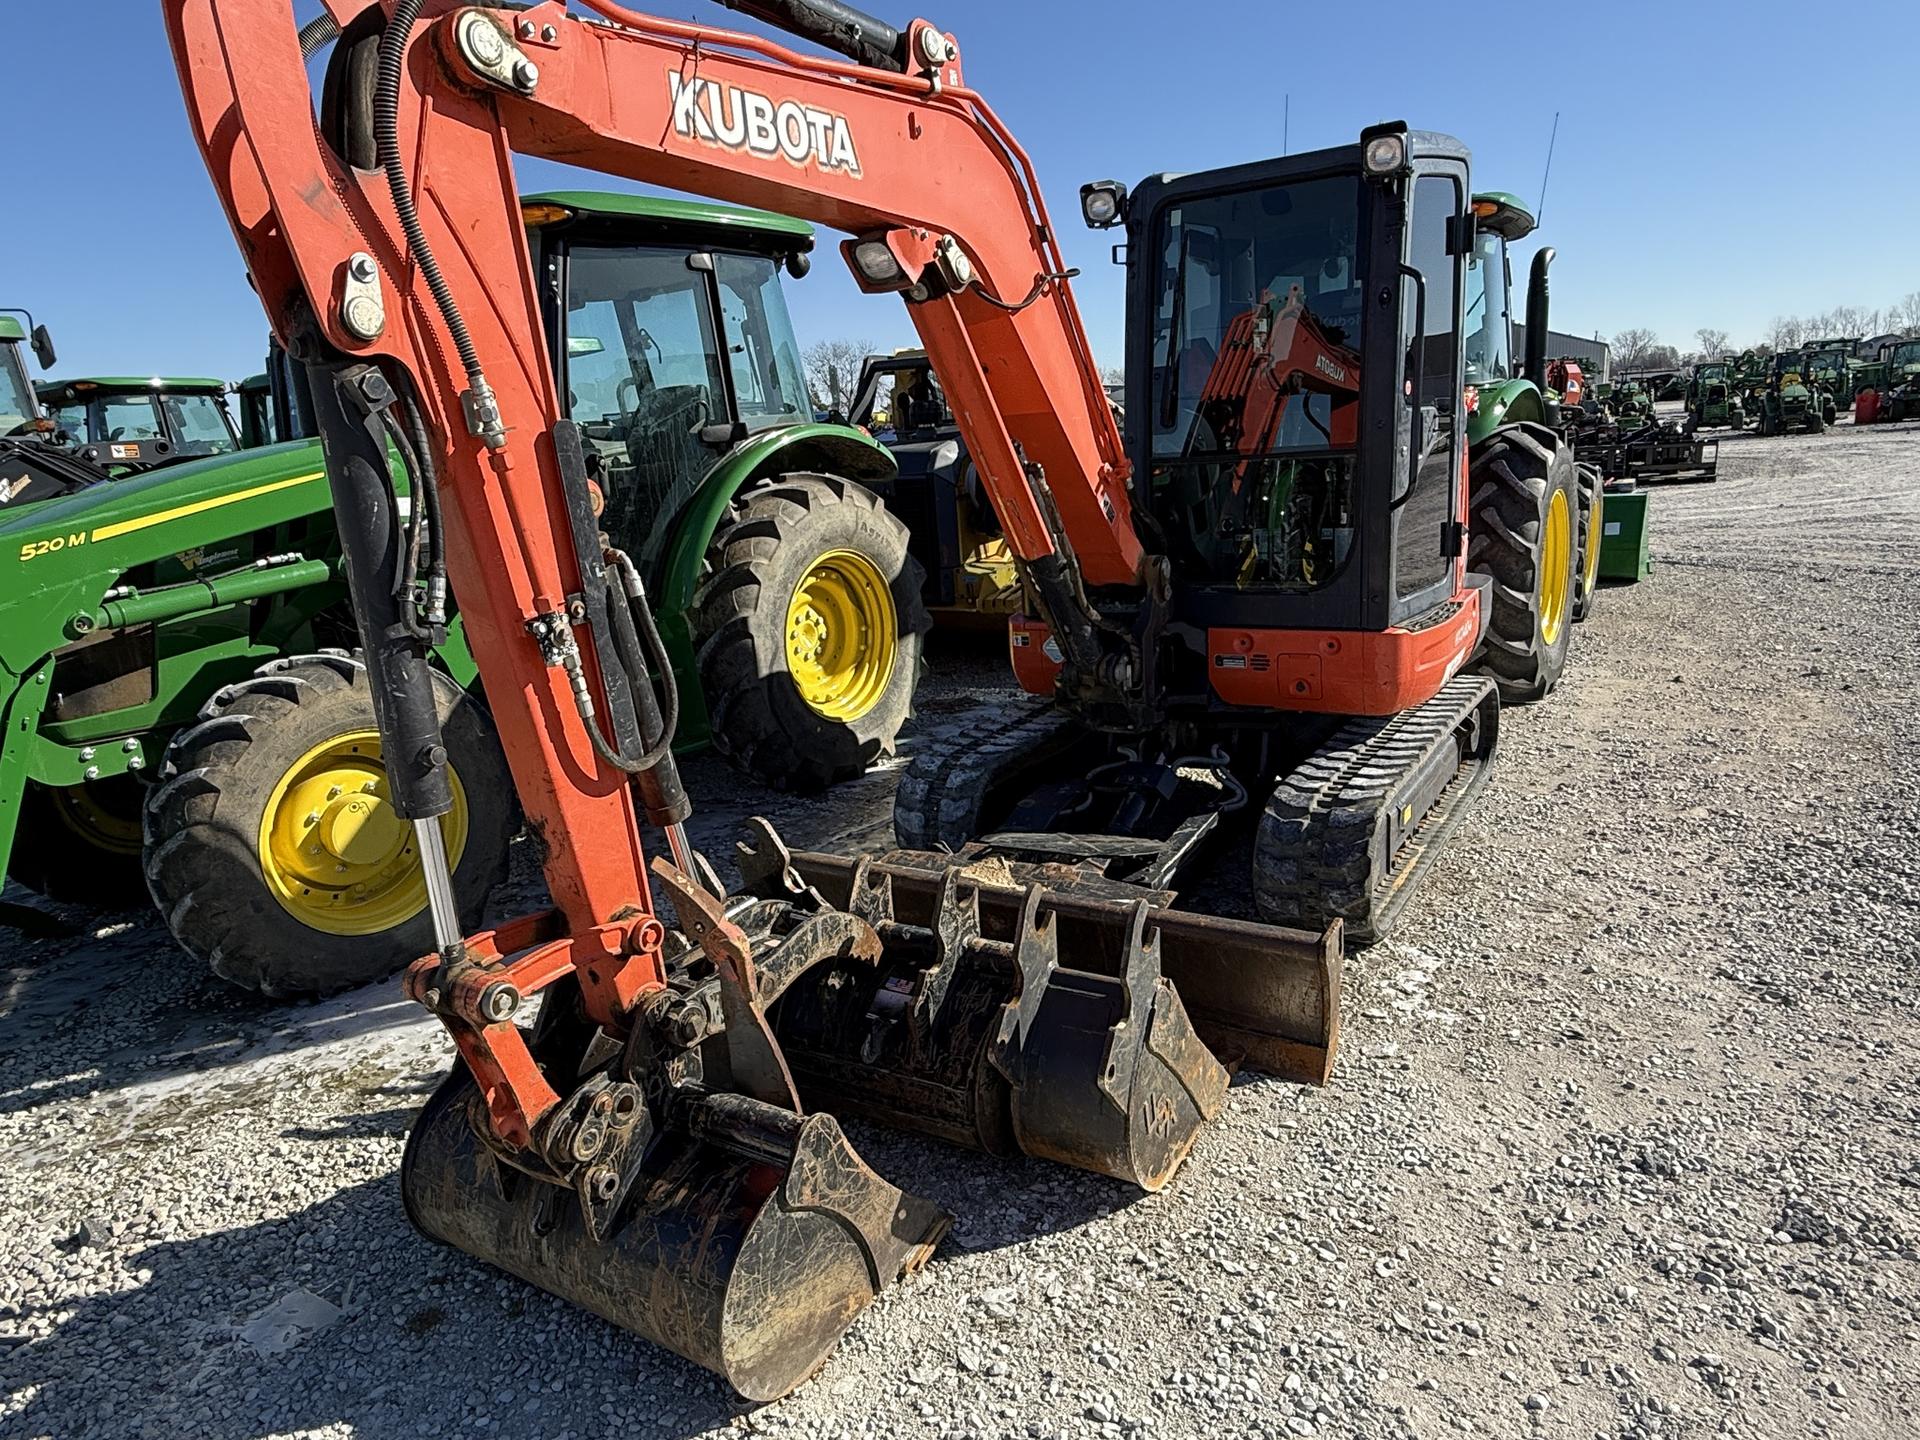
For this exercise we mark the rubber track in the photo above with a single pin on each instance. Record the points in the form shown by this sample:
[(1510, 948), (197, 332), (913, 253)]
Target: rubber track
[(1317, 855), (938, 803)]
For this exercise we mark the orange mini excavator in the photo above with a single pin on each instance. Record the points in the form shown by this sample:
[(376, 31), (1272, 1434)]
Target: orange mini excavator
[(1267, 579)]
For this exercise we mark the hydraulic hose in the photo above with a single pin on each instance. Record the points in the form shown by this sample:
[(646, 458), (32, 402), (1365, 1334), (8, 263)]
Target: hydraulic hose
[(317, 32)]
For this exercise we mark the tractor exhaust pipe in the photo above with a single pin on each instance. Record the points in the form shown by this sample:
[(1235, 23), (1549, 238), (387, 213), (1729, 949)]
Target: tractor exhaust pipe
[(837, 27), (1537, 316)]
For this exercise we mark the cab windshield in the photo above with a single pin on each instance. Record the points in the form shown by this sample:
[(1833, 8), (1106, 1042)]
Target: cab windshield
[(768, 379), (16, 394), (1710, 373), (1254, 388), (1272, 274), (197, 424), (1907, 354), (192, 424)]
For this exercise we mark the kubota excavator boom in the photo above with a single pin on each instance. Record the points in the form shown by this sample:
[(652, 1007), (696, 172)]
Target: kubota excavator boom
[(643, 1148)]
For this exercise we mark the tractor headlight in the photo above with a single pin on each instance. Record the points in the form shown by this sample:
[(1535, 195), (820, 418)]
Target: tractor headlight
[(1386, 154), (1103, 204)]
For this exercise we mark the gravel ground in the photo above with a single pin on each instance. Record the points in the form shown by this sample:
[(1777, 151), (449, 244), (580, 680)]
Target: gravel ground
[(1622, 1140)]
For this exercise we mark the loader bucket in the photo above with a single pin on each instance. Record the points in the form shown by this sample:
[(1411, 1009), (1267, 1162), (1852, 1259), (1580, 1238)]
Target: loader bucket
[(750, 1242), (1033, 1009)]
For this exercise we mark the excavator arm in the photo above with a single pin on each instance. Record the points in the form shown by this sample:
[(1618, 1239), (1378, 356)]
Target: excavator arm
[(642, 1147), (425, 271)]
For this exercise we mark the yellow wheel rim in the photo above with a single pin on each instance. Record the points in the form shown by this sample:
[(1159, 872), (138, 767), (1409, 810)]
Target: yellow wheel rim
[(842, 635), (1590, 574), (335, 853), (1556, 552)]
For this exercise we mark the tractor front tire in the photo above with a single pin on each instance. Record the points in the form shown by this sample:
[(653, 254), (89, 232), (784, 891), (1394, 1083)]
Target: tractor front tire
[(272, 846), (808, 631), (80, 844), (1524, 502), (1816, 422), (1593, 504)]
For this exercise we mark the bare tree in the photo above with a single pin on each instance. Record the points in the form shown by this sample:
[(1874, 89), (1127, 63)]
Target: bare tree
[(833, 369), (1786, 332), (1713, 343), (1904, 314), (1631, 349), (1113, 375)]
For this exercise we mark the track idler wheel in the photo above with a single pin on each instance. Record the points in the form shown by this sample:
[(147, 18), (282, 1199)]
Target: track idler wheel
[(996, 1043), (750, 1241)]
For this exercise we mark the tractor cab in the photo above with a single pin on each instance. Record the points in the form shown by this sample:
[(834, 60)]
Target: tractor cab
[(31, 469), (1830, 366), (130, 424), (18, 407), (670, 337)]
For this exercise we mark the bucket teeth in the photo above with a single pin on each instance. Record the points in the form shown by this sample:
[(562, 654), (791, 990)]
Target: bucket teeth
[(992, 1041)]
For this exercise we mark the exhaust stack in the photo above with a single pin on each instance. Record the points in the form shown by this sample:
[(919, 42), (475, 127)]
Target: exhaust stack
[(1537, 316)]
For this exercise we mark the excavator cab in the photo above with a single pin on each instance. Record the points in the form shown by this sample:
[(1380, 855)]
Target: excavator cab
[(1295, 387)]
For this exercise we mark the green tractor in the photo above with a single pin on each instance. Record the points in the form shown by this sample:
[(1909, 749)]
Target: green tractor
[(1790, 400), (1711, 398), (1831, 367), (183, 713), (19, 406), (1892, 391), (1514, 447), (129, 424), (31, 468)]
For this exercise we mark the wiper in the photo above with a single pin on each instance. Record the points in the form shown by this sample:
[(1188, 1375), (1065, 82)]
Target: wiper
[(1170, 373)]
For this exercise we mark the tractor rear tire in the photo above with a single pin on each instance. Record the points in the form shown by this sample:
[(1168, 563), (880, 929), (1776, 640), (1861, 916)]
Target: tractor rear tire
[(80, 844), (808, 632), (1521, 532), (1586, 579), (273, 852)]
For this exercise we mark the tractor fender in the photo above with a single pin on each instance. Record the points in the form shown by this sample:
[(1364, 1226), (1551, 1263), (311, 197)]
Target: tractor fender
[(1503, 403), (675, 568), (832, 449)]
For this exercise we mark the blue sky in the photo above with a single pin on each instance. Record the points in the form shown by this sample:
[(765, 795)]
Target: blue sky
[(1718, 163)]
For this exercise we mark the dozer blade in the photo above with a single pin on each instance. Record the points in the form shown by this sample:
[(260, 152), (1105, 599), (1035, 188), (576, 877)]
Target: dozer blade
[(1059, 1020)]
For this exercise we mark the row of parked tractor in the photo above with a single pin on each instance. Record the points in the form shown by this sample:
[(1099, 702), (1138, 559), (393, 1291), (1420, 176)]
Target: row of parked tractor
[(1807, 389)]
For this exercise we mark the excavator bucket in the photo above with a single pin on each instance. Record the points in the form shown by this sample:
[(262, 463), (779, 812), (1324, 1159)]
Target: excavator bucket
[(680, 1191), (1038, 1009), (748, 1244)]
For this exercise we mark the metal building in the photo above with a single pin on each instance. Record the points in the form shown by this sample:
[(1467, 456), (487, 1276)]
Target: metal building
[(1595, 356)]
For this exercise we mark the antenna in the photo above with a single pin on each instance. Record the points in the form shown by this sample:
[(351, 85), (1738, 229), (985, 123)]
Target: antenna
[(1540, 210), (1286, 125)]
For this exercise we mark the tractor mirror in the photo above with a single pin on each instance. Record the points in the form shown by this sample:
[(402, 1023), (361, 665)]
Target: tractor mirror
[(43, 348), (578, 345)]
